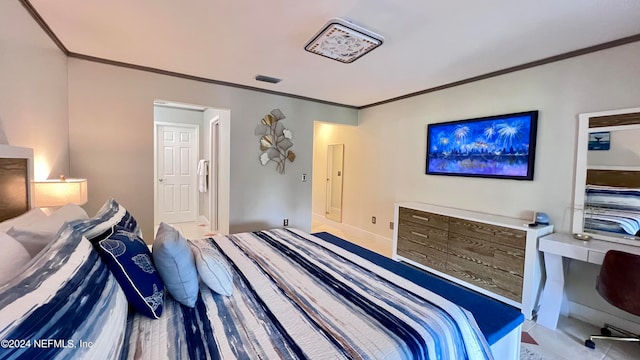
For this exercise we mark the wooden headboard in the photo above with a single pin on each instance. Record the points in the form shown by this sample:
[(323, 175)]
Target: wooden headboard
[(16, 173), (619, 178)]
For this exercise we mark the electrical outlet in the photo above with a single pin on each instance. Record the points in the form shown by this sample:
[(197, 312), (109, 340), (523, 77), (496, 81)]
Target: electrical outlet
[(373, 219), (285, 222), (391, 225), (304, 177)]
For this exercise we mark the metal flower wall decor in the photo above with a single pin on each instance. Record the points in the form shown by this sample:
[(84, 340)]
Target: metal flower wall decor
[(275, 140)]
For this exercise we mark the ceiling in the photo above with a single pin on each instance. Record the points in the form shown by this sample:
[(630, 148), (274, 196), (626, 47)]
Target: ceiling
[(427, 43)]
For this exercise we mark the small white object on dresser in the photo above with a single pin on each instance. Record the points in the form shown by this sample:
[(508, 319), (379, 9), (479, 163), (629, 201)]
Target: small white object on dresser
[(493, 255)]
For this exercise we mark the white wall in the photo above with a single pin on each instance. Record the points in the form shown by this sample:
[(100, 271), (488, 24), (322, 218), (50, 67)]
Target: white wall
[(33, 91), (111, 142), (390, 165), (624, 150)]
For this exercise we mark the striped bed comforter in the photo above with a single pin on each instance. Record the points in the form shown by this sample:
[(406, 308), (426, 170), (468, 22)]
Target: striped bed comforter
[(612, 209), (295, 298)]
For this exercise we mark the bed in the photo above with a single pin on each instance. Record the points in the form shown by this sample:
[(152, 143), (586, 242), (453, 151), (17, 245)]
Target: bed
[(293, 295)]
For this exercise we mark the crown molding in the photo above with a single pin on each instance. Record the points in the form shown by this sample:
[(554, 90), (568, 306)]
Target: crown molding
[(548, 60), (551, 59)]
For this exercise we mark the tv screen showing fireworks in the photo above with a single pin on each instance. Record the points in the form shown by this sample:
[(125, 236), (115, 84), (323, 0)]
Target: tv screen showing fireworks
[(501, 146)]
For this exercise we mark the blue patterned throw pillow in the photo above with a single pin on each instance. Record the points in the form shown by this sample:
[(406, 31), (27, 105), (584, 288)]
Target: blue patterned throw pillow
[(99, 227), (130, 261)]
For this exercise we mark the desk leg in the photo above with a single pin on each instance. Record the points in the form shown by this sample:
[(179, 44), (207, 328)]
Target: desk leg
[(553, 294)]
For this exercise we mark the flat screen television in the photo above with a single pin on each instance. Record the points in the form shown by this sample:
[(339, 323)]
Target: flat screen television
[(501, 146)]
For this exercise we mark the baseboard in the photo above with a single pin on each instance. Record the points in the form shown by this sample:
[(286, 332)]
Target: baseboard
[(598, 317), (350, 229)]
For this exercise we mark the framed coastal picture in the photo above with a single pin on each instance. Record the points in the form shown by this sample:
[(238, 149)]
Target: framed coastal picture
[(599, 140), (500, 146)]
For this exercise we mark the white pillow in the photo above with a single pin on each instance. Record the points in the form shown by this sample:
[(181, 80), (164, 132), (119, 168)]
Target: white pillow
[(69, 213), (54, 222), (12, 258), (32, 241), (30, 217), (212, 267), (35, 236)]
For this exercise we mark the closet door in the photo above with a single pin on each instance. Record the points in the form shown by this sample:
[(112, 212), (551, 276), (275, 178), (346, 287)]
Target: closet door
[(177, 159)]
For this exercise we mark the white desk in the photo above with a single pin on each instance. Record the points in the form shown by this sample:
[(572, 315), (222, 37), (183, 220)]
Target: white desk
[(558, 248)]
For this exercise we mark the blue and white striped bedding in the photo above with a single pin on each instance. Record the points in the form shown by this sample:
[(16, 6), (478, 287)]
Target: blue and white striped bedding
[(613, 197), (64, 305), (294, 298), (612, 209)]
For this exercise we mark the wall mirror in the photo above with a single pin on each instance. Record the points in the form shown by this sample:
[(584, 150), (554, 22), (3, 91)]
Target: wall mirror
[(607, 180), (335, 169)]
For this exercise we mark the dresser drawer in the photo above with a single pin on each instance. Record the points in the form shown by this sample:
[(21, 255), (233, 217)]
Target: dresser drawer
[(486, 264), (493, 256), (511, 237), (423, 234), (423, 218), (498, 234), (425, 246), (498, 282)]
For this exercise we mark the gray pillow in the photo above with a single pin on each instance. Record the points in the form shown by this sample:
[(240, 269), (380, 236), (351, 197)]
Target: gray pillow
[(32, 241), (37, 234)]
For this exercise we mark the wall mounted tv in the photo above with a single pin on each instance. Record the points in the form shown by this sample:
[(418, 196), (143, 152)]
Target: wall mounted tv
[(501, 146)]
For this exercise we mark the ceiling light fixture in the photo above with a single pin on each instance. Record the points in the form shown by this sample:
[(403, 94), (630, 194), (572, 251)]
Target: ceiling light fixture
[(343, 41)]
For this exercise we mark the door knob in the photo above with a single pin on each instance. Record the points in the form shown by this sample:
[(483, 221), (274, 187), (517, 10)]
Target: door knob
[(161, 180)]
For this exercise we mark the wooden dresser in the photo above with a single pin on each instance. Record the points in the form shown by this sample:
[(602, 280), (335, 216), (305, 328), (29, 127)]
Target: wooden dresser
[(494, 255)]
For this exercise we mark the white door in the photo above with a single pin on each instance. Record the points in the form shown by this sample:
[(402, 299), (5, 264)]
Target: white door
[(177, 179)]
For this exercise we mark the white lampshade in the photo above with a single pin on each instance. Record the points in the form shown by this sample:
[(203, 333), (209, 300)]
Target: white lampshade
[(51, 193)]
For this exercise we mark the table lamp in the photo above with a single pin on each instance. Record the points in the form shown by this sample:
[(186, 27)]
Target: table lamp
[(59, 192)]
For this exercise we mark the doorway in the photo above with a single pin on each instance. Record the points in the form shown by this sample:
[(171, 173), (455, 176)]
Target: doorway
[(211, 189), (335, 168), (214, 135)]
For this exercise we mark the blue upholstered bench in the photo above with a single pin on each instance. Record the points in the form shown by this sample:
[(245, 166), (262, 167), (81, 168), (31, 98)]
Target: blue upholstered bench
[(494, 318)]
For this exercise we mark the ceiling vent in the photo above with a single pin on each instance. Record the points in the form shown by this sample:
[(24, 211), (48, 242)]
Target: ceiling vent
[(343, 41), (268, 79)]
